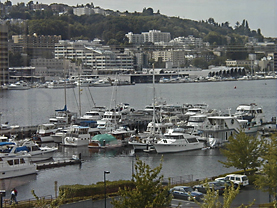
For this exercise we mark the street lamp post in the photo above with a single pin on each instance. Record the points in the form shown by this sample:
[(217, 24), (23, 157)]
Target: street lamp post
[(105, 172)]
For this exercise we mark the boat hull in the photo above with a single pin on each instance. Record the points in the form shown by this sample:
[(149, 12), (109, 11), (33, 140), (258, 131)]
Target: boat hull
[(177, 147), (15, 167), (75, 142)]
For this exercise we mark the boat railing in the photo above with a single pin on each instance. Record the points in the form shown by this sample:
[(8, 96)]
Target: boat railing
[(214, 127)]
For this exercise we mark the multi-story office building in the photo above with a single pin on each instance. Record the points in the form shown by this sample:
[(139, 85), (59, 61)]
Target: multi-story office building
[(4, 54), (37, 46), (153, 36)]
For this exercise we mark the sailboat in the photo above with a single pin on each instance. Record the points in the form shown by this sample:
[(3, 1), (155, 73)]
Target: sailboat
[(63, 117), (145, 140)]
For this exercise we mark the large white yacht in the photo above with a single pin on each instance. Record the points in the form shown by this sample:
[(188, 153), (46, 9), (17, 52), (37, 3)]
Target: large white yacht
[(251, 116), (177, 140)]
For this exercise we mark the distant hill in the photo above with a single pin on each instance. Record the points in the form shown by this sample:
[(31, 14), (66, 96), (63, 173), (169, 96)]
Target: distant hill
[(112, 29)]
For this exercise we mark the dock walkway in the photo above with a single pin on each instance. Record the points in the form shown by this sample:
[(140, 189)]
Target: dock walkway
[(58, 163)]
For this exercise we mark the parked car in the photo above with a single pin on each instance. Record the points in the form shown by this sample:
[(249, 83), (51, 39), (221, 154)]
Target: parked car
[(187, 191), (225, 182), (180, 195), (241, 180), (238, 179), (214, 185)]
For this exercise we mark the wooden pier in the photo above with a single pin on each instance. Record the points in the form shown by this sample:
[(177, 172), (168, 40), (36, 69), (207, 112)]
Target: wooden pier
[(59, 163)]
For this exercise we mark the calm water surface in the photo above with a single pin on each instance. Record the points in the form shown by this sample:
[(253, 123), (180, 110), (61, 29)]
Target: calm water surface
[(34, 106)]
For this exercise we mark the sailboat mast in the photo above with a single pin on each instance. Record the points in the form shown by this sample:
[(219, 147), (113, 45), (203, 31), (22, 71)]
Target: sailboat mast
[(64, 74), (79, 88), (154, 101)]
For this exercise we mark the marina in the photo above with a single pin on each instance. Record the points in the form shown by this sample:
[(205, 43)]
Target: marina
[(39, 104)]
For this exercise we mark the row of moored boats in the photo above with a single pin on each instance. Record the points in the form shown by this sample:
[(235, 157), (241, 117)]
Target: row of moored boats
[(170, 129)]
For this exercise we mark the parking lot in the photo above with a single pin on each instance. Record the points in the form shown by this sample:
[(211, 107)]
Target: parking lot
[(246, 196)]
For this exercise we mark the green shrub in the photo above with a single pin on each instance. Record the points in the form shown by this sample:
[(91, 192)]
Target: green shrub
[(77, 190)]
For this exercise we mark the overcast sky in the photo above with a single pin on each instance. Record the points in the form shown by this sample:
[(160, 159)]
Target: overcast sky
[(259, 13)]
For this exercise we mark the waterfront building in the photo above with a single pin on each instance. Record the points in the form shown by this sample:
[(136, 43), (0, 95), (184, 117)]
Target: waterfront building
[(4, 54), (53, 67), (93, 55)]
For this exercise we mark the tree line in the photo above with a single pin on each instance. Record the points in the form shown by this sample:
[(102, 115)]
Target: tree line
[(112, 28)]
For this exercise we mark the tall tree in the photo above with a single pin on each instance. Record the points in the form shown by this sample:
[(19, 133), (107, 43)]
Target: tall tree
[(243, 151), (148, 191), (267, 180)]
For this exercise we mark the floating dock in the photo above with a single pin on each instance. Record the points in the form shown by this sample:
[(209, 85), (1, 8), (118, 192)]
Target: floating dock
[(59, 163)]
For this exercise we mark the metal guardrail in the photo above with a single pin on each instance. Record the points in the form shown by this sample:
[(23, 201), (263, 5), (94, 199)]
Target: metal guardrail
[(178, 180)]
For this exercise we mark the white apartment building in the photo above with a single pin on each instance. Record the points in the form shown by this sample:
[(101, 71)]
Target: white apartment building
[(151, 36), (188, 41), (93, 55), (79, 11)]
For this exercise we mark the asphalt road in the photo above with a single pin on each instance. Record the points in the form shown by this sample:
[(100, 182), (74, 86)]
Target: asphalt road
[(246, 195)]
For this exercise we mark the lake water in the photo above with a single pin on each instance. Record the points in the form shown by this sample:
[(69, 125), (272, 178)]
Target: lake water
[(34, 106)]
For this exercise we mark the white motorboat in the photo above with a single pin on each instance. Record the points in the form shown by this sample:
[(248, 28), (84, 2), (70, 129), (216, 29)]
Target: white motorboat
[(60, 84), (102, 83), (38, 153), (59, 135), (20, 85), (250, 116), (123, 133), (63, 117), (142, 141), (4, 139), (27, 147), (177, 140), (77, 136), (12, 167), (105, 126), (93, 115), (44, 133)]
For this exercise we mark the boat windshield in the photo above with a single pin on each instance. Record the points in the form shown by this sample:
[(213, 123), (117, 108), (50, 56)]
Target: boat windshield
[(174, 136), (192, 140)]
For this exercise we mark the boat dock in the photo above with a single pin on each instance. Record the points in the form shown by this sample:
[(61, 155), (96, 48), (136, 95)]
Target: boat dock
[(22, 131), (59, 163)]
